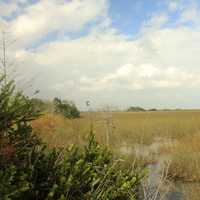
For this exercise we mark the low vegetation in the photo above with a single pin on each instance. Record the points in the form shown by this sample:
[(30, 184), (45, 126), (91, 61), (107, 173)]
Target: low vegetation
[(31, 170), (37, 160), (185, 160), (126, 127), (173, 134)]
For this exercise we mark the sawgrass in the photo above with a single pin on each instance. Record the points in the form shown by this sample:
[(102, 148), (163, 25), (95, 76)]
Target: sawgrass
[(185, 163), (129, 128), (122, 127)]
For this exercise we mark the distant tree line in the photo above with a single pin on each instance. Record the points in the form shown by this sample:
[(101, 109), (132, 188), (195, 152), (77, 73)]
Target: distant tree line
[(64, 107), (135, 109), (139, 109)]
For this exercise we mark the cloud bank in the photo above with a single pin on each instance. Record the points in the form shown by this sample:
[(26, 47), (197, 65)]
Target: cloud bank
[(79, 54)]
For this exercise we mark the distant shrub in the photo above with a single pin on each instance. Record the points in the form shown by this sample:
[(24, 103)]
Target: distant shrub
[(153, 109), (135, 109), (68, 109), (29, 170), (40, 105)]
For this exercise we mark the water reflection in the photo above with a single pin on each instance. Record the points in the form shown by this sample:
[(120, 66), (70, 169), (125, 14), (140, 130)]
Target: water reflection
[(157, 186)]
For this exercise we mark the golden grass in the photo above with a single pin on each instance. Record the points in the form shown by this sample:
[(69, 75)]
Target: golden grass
[(124, 127), (185, 163), (192, 192), (57, 130), (129, 128)]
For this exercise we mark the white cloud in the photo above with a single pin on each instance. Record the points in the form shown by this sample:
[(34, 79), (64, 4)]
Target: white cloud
[(7, 9), (46, 16), (173, 5), (190, 15), (156, 21), (104, 62), (145, 76)]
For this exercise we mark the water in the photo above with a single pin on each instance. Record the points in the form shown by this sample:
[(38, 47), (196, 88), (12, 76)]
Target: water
[(175, 196), (157, 186)]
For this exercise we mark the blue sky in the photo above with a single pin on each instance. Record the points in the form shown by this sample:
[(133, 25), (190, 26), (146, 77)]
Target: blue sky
[(119, 53), (128, 16)]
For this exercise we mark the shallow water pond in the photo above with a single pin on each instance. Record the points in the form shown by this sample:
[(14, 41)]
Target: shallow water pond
[(157, 186)]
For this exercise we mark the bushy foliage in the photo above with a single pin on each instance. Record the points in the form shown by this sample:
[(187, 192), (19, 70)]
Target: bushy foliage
[(135, 109), (41, 105), (15, 109), (29, 170), (139, 109), (68, 109)]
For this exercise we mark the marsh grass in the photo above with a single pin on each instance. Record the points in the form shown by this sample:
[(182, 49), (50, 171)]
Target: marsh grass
[(192, 192), (185, 159), (131, 129)]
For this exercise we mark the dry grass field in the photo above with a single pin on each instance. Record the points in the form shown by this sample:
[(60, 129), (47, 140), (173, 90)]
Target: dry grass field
[(129, 129)]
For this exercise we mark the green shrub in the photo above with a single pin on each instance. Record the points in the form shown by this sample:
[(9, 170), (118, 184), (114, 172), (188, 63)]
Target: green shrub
[(29, 170), (41, 105), (135, 109), (68, 109)]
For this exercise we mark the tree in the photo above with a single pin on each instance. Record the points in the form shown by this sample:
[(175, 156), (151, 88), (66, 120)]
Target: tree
[(16, 109), (3, 59), (68, 109), (42, 105), (6, 62), (135, 109)]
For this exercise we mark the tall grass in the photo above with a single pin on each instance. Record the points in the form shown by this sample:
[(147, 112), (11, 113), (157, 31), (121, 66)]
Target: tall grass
[(185, 163), (130, 128)]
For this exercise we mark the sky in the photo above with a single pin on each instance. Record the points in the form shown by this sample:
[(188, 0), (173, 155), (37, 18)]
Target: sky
[(117, 53)]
